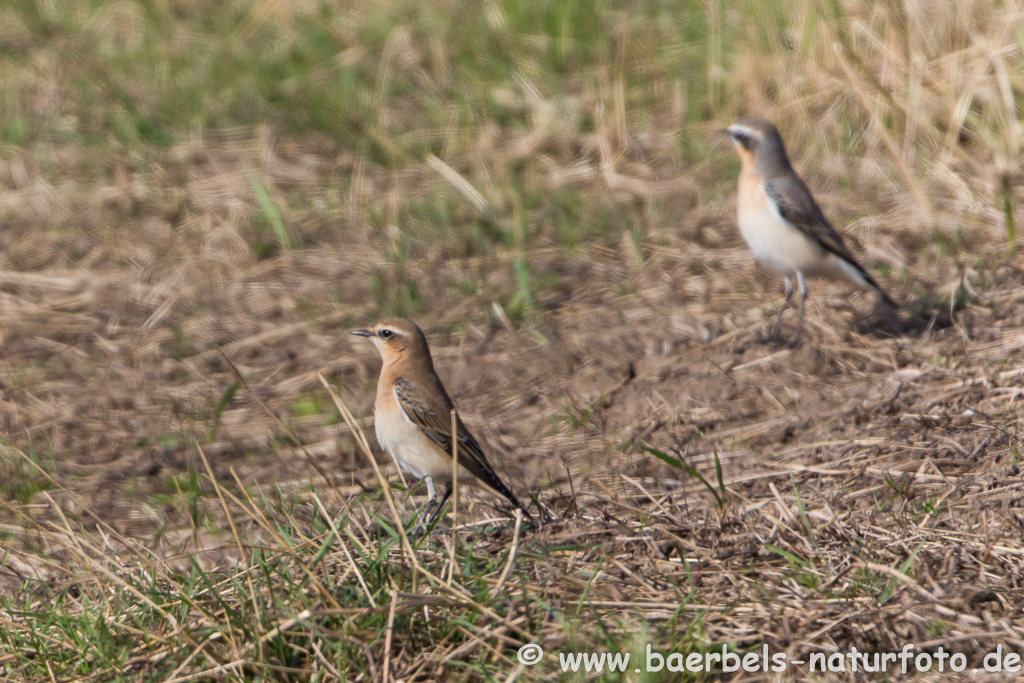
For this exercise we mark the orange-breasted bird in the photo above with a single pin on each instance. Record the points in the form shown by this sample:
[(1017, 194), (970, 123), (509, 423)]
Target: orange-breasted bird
[(412, 417)]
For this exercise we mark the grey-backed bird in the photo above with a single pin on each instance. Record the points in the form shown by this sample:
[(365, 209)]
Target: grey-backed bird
[(784, 226)]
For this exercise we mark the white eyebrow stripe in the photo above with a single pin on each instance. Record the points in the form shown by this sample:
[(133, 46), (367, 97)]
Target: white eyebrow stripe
[(737, 128)]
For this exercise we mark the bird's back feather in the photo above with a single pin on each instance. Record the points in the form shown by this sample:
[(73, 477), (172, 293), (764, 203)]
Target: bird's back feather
[(430, 410), (796, 204)]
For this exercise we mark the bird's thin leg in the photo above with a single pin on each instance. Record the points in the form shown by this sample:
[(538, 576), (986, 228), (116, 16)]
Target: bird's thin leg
[(802, 286), (440, 505), (785, 304), (431, 500)]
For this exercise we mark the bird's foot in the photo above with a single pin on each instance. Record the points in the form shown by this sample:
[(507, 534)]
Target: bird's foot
[(772, 340)]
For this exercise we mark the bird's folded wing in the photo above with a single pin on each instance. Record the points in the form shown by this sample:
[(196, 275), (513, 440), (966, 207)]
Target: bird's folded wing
[(438, 428), (797, 205)]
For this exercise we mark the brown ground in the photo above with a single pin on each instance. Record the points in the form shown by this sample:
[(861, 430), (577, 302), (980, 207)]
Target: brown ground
[(113, 330)]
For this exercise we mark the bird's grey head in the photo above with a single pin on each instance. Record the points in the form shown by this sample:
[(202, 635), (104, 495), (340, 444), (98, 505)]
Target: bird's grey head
[(759, 144)]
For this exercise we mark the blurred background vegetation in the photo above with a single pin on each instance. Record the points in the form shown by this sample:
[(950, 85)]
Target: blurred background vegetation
[(510, 124)]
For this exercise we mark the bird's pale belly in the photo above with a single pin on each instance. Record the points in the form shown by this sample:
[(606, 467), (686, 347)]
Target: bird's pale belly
[(413, 450), (778, 245)]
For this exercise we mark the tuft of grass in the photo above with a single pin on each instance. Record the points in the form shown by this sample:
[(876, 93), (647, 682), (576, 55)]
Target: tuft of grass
[(1008, 204), (271, 213), (718, 493), (23, 478), (222, 404)]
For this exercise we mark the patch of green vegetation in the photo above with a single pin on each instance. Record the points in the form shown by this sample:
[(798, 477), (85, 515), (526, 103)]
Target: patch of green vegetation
[(520, 306), (22, 475), (396, 292), (269, 219), (937, 627), (222, 404), (182, 346), (719, 493), (929, 507), (942, 245), (311, 403), (576, 418)]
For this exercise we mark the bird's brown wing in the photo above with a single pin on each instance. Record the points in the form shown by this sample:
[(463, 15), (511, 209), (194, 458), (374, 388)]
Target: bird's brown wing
[(436, 422), (796, 204)]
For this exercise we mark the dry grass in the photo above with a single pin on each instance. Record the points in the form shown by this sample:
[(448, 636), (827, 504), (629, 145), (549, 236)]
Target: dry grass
[(540, 186)]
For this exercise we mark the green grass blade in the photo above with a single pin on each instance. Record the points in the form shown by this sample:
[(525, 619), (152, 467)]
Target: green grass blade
[(679, 464), (718, 473), (222, 404), (270, 209), (904, 567)]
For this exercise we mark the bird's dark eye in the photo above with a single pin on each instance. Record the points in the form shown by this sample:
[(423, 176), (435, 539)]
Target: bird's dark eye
[(745, 140), (386, 333)]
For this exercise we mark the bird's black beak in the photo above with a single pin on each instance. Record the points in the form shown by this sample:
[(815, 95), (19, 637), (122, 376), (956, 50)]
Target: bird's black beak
[(724, 131), (362, 333)]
